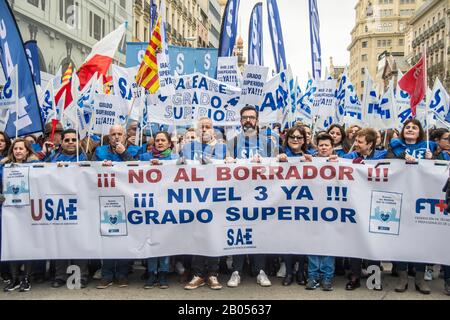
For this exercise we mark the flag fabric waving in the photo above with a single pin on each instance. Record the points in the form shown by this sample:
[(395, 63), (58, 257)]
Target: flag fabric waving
[(414, 82), (148, 76), (66, 89), (101, 57)]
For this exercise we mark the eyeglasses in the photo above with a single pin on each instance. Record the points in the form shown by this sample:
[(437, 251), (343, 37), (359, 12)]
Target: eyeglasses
[(299, 138), (70, 140), (253, 118)]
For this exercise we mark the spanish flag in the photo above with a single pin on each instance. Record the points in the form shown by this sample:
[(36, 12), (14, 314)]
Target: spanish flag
[(148, 76), (66, 89)]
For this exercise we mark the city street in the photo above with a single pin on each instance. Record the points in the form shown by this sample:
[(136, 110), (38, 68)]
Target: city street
[(248, 290)]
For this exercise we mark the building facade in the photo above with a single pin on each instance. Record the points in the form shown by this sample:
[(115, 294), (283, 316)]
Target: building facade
[(430, 28), (66, 30), (380, 26), (215, 18)]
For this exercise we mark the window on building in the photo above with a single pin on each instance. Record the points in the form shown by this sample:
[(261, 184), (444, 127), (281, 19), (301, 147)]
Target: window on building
[(401, 42), (36, 3), (136, 30), (123, 3), (96, 26), (364, 44), (364, 57)]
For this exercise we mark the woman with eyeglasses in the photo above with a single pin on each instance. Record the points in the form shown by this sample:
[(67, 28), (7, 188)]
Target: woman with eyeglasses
[(20, 152), (295, 147), (442, 138), (412, 146), (341, 146)]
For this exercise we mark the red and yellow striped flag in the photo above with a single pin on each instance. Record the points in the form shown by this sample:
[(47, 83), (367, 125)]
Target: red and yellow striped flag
[(148, 76), (68, 74)]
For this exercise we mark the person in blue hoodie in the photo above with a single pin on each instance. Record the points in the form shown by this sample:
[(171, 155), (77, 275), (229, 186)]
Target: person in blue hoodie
[(442, 138), (68, 153), (158, 267), (411, 146), (295, 146), (162, 150), (68, 150), (115, 151), (204, 268), (365, 145), (20, 152)]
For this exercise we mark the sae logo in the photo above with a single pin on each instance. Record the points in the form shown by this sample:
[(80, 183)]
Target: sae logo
[(385, 213), (113, 221), (55, 210)]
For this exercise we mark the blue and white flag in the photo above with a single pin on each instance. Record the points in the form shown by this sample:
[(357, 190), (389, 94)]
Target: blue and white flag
[(229, 30), (8, 99), (32, 51), (385, 114), (439, 105), (316, 50), (275, 100), (305, 102), (12, 53), (276, 34), (255, 37), (349, 109)]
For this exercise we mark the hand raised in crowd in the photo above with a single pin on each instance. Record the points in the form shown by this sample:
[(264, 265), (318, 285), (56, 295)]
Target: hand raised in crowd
[(132, 140), (333, 158), (155, 162), (48, 147), (410, 159), (107, 163), (256, 159), (429, 155), (230, 160), (282, 158), (308, 158), (120, 148)]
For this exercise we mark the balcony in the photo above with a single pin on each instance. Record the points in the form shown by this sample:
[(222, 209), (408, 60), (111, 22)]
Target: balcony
[(138, 4), (441, 44), (174, 33), (169, 28), (442, 23)]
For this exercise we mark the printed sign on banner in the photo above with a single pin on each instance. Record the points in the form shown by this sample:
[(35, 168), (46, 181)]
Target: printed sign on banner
[(197, 96), (113, 222), (228, 70), (16, 187), (108, 110), (325, 103), (124, 80), (385, 212), (255, 78)]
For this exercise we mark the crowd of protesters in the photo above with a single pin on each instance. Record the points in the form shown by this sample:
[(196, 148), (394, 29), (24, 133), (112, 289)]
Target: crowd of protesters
[(204, 143)]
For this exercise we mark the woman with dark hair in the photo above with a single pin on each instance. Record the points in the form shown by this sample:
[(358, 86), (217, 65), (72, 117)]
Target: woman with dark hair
[(387, 136), (295, 146), (20, 152), (158, 268), (162, 149), (341, 146), (5, 144), (411, 146), (442, 138), (310, 147)]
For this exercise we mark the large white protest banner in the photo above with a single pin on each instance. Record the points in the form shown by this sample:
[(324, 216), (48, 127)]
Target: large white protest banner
[(228, 70), (136, 212), (255, 78), (197, 96)]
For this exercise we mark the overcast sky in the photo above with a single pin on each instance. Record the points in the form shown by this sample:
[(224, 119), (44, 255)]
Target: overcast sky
[(337, 18)]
